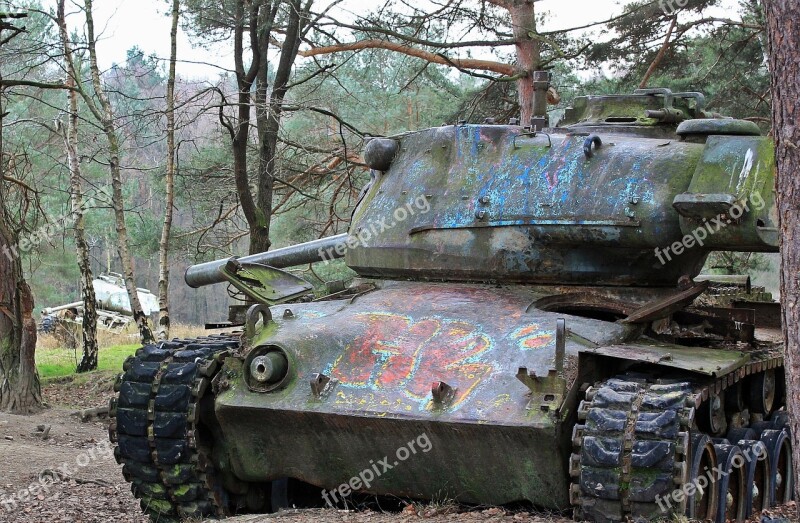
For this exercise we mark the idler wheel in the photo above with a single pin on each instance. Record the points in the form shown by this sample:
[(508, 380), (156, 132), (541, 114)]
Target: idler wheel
[(702, 504), (761, 392), (734, 398), (757, 476), (731, 488), (257, 497), (779, 449)]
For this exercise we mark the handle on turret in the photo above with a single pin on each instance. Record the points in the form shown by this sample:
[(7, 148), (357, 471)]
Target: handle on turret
[(587, 145)]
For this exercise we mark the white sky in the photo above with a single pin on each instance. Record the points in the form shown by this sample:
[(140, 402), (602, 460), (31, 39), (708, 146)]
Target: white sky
[(146, 23)]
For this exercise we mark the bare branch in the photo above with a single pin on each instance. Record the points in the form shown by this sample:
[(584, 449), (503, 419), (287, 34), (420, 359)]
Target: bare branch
[(464, 63)]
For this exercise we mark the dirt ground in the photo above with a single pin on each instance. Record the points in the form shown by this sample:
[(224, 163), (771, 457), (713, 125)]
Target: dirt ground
[(56, 468), (83, 484)]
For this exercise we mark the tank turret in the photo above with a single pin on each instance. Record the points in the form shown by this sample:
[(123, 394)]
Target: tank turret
[(619, 194)]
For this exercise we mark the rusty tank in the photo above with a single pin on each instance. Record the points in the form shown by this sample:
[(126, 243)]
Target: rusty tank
[(524, 328)]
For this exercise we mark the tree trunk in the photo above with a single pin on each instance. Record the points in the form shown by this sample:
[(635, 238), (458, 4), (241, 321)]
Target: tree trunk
[(240, 135), (269, 120), (20, 391), (163, 246), (660, 56), (109, 128), (783, 28), (523, 21), (89, 360), (89, 332)]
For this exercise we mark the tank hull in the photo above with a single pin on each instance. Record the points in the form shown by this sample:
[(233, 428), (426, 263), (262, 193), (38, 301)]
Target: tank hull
[(383, 351)]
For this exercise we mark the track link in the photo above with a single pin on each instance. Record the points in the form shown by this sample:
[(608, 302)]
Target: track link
[(155, 427), (630, 449)]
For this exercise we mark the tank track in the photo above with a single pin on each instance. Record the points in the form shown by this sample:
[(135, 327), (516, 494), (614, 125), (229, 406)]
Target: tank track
[(631, 443), (631, 448), (154, 424)]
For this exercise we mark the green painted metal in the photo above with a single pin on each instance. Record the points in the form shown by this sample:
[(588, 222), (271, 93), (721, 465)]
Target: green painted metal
[(263, 283), (718, 126), (508, 205), (383, 352)]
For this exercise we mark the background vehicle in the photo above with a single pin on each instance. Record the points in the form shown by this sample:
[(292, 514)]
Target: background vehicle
[(113, 310)]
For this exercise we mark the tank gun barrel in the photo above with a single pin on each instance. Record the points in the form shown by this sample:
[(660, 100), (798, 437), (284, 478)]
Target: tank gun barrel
[(323, 249), (74, 305)]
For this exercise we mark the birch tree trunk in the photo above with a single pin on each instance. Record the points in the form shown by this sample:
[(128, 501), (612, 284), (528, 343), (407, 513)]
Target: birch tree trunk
[(163, 246), (106, 117), (89, 332), (783, 29)]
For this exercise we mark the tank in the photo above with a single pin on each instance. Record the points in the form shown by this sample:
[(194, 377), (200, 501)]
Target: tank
[(525, 328), (113, 310)]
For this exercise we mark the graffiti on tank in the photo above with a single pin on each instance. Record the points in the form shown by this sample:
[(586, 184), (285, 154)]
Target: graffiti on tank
[(532, 337), (406, 355)]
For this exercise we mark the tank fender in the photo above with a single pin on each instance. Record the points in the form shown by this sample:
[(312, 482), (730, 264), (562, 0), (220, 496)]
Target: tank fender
[(608, 360)]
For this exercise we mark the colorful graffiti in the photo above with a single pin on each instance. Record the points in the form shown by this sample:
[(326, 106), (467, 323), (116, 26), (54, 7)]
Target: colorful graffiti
[(532, 337), (405, 355)]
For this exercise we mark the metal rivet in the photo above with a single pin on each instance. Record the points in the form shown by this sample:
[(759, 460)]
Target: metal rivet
[(288, 313)]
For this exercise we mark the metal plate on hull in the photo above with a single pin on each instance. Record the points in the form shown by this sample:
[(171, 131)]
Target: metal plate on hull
[(694, 359)]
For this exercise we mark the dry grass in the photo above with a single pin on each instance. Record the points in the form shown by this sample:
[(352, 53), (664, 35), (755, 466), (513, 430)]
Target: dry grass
[(54, 360), (129, 336)]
